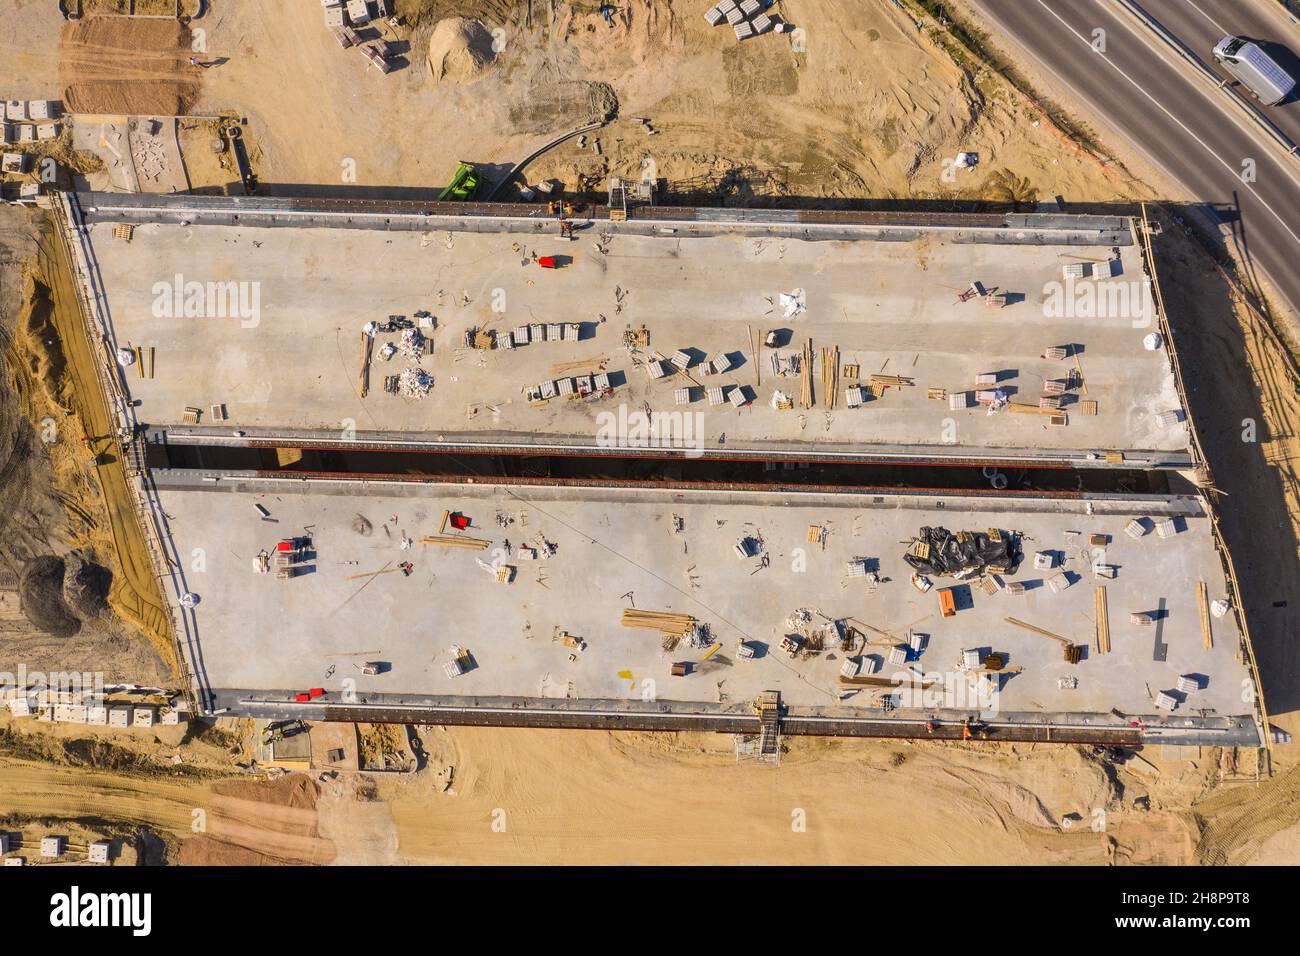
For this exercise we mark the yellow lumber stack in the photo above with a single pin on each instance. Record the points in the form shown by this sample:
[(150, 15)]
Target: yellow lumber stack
[(830, 374), (1103, 621), (454, 541), (895, 380), (1203, 602), (666, 622)]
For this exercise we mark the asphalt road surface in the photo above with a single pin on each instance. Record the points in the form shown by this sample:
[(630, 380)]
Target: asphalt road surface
[(1178, 121), (1200, 24)]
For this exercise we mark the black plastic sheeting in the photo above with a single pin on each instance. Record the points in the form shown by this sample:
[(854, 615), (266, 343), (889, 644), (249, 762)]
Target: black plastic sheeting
[(969, 551)]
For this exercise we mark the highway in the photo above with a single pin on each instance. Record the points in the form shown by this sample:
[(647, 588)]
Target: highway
[(1181, 124), (1200, 24)]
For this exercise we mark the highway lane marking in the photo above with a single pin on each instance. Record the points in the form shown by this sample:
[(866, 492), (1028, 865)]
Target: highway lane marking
[(1191, 4), (1141, 89)]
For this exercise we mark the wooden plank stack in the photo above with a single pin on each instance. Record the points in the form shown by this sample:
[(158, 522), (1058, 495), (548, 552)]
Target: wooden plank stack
[(666, 622), (455, 541), (830, 374), (1203, 602), (806, 396), (1103, 621)]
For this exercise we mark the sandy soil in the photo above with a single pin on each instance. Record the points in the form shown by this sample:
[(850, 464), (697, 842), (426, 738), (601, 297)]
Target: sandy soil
[(29, 42), (51, 373), (50, 502), (122, 66), (731, 121), (528, 796)]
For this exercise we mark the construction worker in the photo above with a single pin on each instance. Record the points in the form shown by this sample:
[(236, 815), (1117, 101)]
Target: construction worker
[(929, 727), (965, 728)]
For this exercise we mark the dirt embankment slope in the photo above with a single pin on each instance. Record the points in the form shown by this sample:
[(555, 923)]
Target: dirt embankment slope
[(51, 362)]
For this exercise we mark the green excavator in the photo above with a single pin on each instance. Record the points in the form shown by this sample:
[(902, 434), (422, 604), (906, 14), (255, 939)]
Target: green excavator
[(464, 184)]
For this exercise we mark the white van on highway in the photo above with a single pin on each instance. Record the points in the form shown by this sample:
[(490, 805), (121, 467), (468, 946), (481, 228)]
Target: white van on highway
[(1260, 73)]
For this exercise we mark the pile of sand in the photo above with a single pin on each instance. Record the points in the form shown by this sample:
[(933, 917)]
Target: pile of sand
[(124, 66), (40, 589), (85, 587), (459, 49), (57, 595)]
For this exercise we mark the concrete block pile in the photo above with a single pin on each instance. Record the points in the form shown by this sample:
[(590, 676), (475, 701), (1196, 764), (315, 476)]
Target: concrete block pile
[(745, 18)]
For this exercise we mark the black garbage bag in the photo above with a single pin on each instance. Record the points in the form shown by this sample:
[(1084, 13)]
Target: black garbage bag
[(944, 553)]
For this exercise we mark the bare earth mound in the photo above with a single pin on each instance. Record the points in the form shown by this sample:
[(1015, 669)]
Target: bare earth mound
[(122, 66), (40, 590), (459, 49), (85, 587)]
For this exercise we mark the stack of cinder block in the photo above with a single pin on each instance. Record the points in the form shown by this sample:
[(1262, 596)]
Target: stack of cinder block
[(744, 17)]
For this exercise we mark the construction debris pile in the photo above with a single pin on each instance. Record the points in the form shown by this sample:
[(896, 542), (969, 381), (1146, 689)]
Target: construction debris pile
[(411, 343), (965, 554), (414, 382)]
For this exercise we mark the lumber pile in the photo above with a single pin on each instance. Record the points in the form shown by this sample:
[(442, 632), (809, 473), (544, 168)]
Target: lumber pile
[(1103, 621), (896, 380), (666, 622), (806, 396), (455, 541), (830, 374), (900, 680), (1203, 602), (367, 351)]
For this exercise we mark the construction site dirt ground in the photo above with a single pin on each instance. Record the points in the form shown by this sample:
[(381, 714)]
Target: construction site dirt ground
[(53, 501), (818, 121), (575, 797)]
